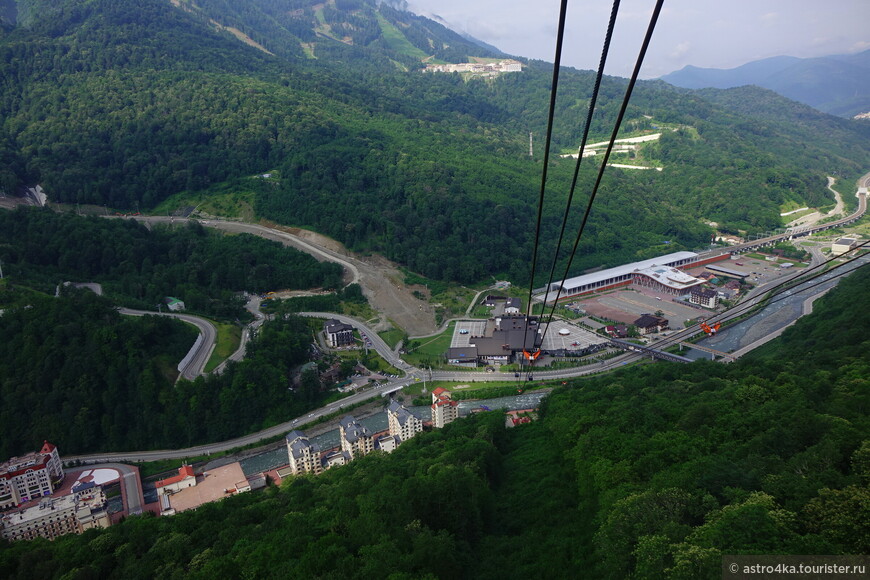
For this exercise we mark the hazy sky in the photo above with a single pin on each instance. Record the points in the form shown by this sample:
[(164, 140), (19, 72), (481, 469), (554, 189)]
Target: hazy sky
[(705, 33)]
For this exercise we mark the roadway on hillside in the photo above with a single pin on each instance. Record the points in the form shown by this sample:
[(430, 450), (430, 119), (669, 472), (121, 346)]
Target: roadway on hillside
[(380, 279), (863, 182), (414, 374), (195, 361)]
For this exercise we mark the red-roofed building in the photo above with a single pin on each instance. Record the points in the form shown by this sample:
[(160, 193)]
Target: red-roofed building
[(444, 408), (29, 477), (185, 478)]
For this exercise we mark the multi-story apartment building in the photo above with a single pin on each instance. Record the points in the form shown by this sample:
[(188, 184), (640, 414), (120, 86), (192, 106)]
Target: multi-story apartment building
[(304, 455), (403, 423), (704, 297), (34, 475), (83, 509), (338, 333), (356, 439), (444, 408)]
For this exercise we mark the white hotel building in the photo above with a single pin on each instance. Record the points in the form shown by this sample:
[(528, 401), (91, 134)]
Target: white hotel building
[(29, 477)]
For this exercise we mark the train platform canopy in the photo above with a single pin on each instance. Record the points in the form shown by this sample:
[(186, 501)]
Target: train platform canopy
[(726, 271), (604, 278)]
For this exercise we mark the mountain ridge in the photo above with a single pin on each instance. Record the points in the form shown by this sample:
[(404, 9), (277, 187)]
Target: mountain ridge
[(836, 84)]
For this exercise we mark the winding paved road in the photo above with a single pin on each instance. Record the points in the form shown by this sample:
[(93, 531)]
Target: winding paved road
[(801, 231), (415, 374), (193, 364)]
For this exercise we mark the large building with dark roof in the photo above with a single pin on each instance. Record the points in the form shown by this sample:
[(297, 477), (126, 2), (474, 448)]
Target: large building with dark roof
[(506, 336), (304, 455), (704, 297), (338, 333), (403, 423), (650, 324), (356, 439)]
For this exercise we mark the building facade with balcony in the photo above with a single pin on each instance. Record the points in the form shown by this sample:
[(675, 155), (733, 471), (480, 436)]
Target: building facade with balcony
[(403, 424), (444, 409), (31, 476), (304, 456), (356, 439)]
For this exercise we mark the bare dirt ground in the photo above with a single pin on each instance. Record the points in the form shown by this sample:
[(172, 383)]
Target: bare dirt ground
[(382, 284), (815, 217), (381, 280)]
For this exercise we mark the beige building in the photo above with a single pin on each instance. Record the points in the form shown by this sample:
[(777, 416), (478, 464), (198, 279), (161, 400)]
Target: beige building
[(704, 297), (183, 480), (444, 408), (83, 509), (304, 456), (403, 423), (843, 245), (356, 440), (335, 458), (215, 484), (651, 324), (29, 477), (387, 443)]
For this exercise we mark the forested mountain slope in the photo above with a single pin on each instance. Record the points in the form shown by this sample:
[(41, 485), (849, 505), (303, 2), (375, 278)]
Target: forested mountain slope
[(77, 372), (655, 472), (80, 374), (836, 84), (138, 267), (124, 102)]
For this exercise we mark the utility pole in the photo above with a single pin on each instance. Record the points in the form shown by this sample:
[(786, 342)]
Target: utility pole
[(531, 151)]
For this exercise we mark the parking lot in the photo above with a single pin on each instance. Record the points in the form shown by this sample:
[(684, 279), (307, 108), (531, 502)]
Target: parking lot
[(564, 335), (464, 330), (757, 271), (626, 306)]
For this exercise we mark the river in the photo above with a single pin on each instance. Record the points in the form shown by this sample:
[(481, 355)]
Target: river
[(775, 316), (378, 422)]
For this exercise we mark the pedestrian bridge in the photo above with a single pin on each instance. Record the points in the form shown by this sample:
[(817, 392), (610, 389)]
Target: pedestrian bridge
[(713, 352), (639, 348)]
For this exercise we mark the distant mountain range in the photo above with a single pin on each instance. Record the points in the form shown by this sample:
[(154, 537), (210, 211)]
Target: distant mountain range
[(839, 84)]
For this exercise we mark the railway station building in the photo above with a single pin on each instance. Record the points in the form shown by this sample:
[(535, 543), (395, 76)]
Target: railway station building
[(645, 272)]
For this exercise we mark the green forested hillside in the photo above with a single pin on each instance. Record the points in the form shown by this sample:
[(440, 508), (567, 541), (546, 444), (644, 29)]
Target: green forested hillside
[(140, 267), (78, 373), (75, 370), (654, 472), (124, 103)]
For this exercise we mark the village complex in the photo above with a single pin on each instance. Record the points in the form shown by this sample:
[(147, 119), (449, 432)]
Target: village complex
[(357, 440), (30, 508), (38, 499)]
